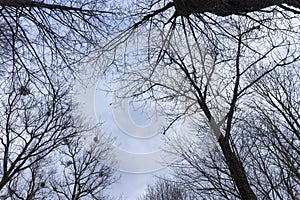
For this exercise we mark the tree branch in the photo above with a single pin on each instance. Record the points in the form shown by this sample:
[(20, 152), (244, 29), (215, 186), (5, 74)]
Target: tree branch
[(35, 4)]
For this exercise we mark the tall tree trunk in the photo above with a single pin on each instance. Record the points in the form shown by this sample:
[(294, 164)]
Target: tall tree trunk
[(227, 7), (237, 170)]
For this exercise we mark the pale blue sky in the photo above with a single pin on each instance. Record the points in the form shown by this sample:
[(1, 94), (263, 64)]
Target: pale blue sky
[(131, 185)]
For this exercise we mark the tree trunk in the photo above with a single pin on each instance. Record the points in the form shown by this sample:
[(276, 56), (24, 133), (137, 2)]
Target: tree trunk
[(227, 7), (235, 167), (237, 170)]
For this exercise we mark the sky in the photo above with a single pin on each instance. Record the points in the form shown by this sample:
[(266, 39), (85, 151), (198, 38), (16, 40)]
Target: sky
[(131, 185)]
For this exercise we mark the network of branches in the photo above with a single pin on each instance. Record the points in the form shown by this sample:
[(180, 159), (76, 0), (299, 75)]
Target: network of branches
[(231, 66)]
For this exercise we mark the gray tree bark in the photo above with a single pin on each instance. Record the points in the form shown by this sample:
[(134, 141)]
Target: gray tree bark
[(228, 7)]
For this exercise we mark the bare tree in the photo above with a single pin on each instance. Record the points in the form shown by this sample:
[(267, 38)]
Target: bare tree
[(272, 126), (33, 124), (196, 64), (29, 183), (166, 190), (49, 39), (83, 174), (267, 142), (41, 45), (64, 30), (202, 60)]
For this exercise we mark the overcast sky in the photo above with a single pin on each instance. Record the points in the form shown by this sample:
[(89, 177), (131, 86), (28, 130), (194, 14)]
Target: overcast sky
[(131, 185)]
